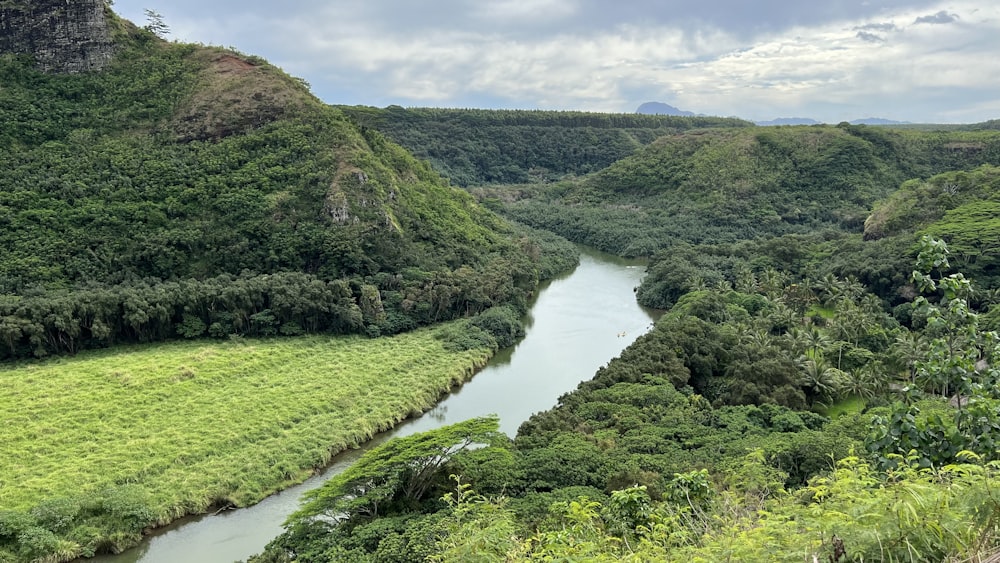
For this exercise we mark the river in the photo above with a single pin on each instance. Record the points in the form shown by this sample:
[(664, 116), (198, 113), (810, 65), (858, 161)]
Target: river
[(577, 323)]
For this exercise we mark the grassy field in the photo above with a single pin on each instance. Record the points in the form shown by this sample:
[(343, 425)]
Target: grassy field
[(190, 425), (846, 405)]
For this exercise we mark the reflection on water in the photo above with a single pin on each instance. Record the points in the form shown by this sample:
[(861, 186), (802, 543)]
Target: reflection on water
[(438, 413), (577, 323)]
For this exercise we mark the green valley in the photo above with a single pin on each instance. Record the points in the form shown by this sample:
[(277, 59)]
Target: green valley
[(212, 282), (173, 209), (792, 404)]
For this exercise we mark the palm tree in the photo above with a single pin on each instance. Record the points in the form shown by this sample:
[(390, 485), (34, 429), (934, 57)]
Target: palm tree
[(696, 283), (723, 286), (783, 317), (852, 289), (829, 288), (773, 282), (819, 378), (746, 281), (908, 349), (755, 341), (817, 341), (865, 383)]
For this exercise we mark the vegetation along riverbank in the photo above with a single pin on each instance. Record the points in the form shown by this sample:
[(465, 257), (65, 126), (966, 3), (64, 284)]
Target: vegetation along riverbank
[(211, 281), (101, 446)]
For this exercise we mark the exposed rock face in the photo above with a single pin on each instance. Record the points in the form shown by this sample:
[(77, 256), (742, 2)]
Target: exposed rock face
[(64, 36)]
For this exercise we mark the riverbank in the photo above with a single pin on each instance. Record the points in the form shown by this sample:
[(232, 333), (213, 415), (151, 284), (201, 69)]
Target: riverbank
[(103, 446), (574, 327)]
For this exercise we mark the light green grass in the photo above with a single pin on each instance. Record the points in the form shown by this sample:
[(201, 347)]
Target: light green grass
[(846, 405), (195, 424), (825, 312)]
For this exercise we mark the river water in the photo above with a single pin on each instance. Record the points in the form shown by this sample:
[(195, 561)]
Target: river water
[(577, 324)]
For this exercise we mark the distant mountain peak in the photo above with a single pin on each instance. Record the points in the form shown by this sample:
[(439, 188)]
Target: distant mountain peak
[(789, 121), (876, 121), (811, 121), (660, 108)]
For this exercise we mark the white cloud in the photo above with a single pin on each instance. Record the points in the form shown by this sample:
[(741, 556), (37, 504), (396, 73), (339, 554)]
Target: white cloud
[(575, 54), (828, 66), (523, 11)]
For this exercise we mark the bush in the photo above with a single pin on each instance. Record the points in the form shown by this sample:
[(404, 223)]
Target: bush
[(503, 323), (464, 336)]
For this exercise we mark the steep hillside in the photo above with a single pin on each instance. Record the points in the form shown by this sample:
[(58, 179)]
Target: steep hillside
[(920, 203), (163, 195), (474, 147), (696, 445), (960, 207), (727, 185)]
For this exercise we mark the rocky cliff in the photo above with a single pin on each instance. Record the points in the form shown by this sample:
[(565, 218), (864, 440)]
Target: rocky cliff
[(64, 36)]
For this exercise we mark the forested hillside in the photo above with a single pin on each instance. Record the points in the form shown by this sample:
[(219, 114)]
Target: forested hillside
[(473, 147), (729, 185), (710, 439), (191, 192), (188, 191), (823, 386), (708, 206)]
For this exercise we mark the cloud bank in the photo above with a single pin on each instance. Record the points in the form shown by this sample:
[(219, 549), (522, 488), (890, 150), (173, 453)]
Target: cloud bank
[(907, 60)]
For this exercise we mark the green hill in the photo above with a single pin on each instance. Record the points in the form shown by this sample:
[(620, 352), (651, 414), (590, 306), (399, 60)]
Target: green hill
[(718, 186), (810, 394), (474, 146), (960, 207), (187, 190)]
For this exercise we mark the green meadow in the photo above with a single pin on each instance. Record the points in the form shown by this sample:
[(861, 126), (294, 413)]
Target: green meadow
[(185, 426)]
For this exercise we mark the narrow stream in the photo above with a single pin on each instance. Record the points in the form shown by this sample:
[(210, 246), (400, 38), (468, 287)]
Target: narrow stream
[(577, 324)]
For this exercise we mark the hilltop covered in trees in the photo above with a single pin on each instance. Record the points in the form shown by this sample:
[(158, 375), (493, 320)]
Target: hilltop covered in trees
[(188, 191), (474, 146), (823, 385)]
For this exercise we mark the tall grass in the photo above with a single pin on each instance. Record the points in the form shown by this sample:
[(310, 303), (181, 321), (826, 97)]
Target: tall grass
[(197, 425)]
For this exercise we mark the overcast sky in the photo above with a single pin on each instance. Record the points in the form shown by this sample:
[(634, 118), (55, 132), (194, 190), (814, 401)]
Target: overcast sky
[(831, 60)]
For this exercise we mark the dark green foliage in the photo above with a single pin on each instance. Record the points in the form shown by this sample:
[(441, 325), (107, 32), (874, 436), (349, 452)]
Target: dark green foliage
[(919, 203), (190, 191), (717, 186), (473, 147), (503, 323), (120, 513), (390, 479), (497, 327), (142, 311)]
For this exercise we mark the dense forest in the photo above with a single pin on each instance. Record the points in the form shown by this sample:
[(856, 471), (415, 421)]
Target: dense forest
[(190, 191), (475, 147), (822, 386), (713, 437)]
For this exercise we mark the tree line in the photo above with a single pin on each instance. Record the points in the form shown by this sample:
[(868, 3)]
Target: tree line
[(473, 147), (118, 226), (680, 449)]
